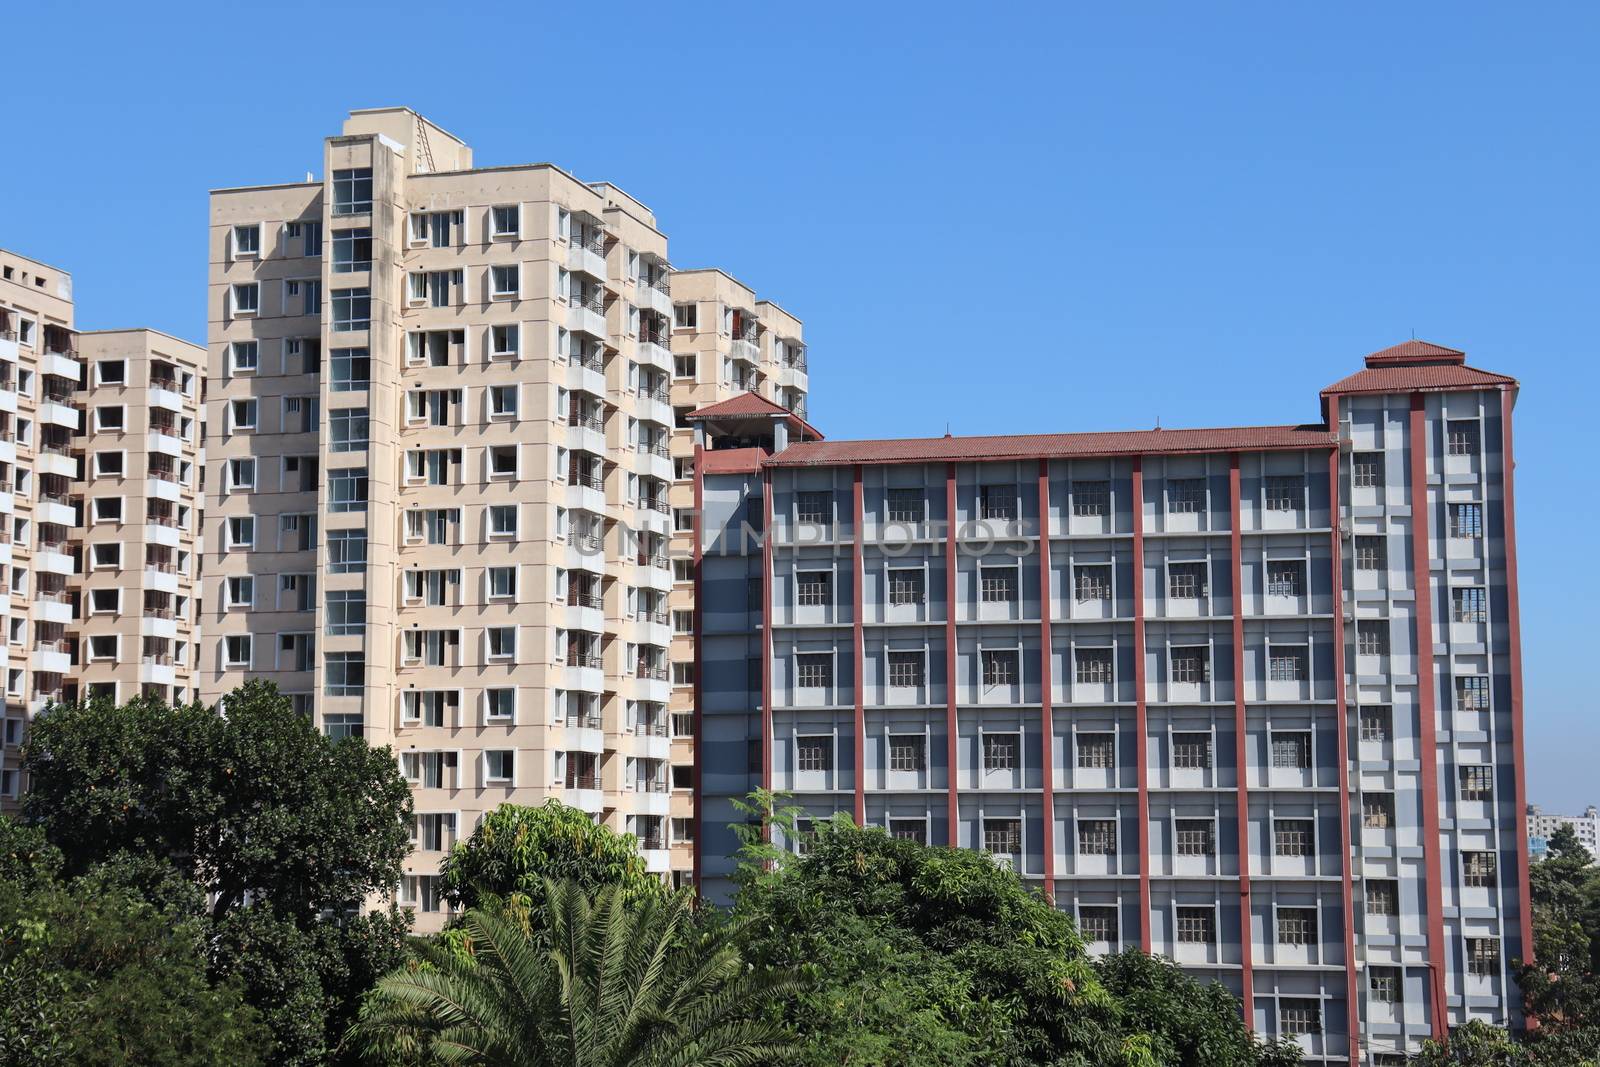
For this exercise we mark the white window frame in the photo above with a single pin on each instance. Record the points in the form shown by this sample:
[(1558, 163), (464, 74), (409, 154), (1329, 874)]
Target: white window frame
[(236, 291)]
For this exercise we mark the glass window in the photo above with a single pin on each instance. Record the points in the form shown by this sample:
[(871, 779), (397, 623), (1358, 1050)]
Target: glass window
[(814, 670), (1091, 498), (907, 505), (344, 673), (352, 250), (352, 309), (347, 551), (1097, 837), (905, 586), (1191, 665), (1091, 582), (1291, 749), (1197, 925), (814, 753), (1000, 751), (347, 429), (1285, 493), (1191, 751), (1186, 496), (1195, 837), (1096, 751), (346, 611), (999, 666), (352, 191), (506, 220), (349, 369), (1286, 577), (906, 752), (905, 670), (1092, 666), (347, 489)]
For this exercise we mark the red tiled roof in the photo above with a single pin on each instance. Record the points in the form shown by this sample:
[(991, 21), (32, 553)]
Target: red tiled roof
[(1428, 377), (1054, 445), (1414, 351), (732, 461), (753, 405)]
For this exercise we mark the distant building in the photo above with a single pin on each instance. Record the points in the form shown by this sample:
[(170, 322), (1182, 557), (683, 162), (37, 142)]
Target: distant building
[(1542, 826)]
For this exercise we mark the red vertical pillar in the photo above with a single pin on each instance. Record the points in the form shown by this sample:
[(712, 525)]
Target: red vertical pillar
[(858, 643), (1141, 728), (1514, 636), (1241, 754), (952, 808), (1046, 685)]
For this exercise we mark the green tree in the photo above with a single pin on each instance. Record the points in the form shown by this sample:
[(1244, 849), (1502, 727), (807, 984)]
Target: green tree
[(1477, 1044), (516, 849), (601, 983)]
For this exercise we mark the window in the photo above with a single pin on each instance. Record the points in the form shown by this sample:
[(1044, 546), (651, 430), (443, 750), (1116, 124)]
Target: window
[(347, 489), (236, 651), (684, 366), (499, 765), (1377, 810), (1291, 749), (107, 555), (1096, 751), (1196, 837), (241, 531), (905, 670), (503, 520), (813, 753), (1372, 637), (999, 667), (347, 429), (1384, 984), (1186, 581), (109, 508), (1382, 896), (1097, 837), (1478, 869), (814, 588), (997, 502), (1297, 926), (347, 551), (686, 316), (1372, 553), (1091, 583), (1466, 521), (1191, 751), (108, 464), (247, 240), (241, 415), (905, 586), (906, 752), (1298, 1016), (1091, 498), (240, 592), (1197, 926), (502, 583), (501, 642), (1375, 722), (1293, 837), (1285, 493), (103, 646), (352, 309), (1483, 956), (1098, 925), (814, 670), (1469, 604), (907, 505), (1191, 665), (1002, 837), (349, 369), (504, 340), (1472, 693), (998, 585), (1092, 666), (504, 281), (244, 357), (500, 704), (813, 507), (1461, 437), (505, 220), (1186, 496), (1000, 751), (430, 707), (1287, 664), (246, 298), (502, 461), (1477, 782), (346, 611), (1286, 577), (909, 830), (352, 250), (1366, 470), (352, 191)]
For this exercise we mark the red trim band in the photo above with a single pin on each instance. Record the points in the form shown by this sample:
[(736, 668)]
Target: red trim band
[(859, 641), (952, 808), (1141, 731), (1241, 761), (699, 726), (1514, 636), (1046, 684)]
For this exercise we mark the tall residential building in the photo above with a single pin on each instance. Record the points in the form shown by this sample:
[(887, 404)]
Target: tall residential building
[(1249, 698), (1542, 826), (439, 506), (99, 487)]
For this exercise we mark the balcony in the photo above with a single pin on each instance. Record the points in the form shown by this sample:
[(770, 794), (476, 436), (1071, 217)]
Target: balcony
[(652, 683), (157, 670), (656, 295), (55, 458), (56, 410), (654, 352), (746, 350), (51, 558), (161, 577), (158, 622), (55, 510), (62, 365), (587, 374), (588, 252), (587, 315), (655, 405), (164, 394), (162, 530), (52, 606), (51, 657), (164, 441)]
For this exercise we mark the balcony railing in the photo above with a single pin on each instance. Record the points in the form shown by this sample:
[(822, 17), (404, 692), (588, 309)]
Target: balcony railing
[(594, 363), (164, 568), (661, 284), (654, 559), (53, 596), (586, 720), (170, 384), (589, 481), (58, 396), (595, 302), (583, 781), (658, 617), (590, 240), (587, 422), (652, 674), (660, 448), (658, 503), (159, 613), (652, 785), (653, 729), (661, 396), (54, 449), (582, 600), (589, 541), (652, 842), (160, 520), (163, 659), (660, 340), (583, 659)]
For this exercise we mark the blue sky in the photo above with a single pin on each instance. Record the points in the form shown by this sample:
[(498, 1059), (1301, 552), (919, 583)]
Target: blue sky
[(1197, 213)]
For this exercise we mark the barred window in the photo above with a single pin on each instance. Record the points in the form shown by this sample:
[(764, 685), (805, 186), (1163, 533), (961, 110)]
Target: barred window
[(906, 752), (1196, 837), (1091, 582), (1298, 1016), (813, 753), (1292, 837), (1092, 666), (999, 667), (1186, 496), (906, 586), (1372, 637), (998, 584), (909, 830), (1366, 469), (1091, 498), (1461, 437), (1287, 664), (1098, 925), (1197, 926), (1186, 581), (1291, 749), (907, 505), (1384, 984), (1375, 722), (1097, 837), (1285, 492), (1383, 896), (1466, 521), (1191, 751), (1477, 782), (1479, 869), (814, 507), (1377, 810), (814, 670), (1297, 926), (1002, 836), (1372, 553), (997, 502), (1472, 692), (1097, 751), (1000, 751), (1483, 956), (905, 670), (1191, 664), (815, 588), (1470, 604), (1286, 577)]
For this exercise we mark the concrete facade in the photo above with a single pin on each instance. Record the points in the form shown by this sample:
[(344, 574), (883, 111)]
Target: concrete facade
[(1172, 678)]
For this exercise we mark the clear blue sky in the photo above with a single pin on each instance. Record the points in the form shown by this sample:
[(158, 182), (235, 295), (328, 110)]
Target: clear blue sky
[(1202, 212)]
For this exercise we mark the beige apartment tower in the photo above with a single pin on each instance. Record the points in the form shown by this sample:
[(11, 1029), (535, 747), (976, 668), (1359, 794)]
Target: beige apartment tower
[(99, 488), (442, 451)]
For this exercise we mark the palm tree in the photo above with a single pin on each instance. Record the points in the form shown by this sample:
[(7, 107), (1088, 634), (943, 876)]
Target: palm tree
[(605, 983)]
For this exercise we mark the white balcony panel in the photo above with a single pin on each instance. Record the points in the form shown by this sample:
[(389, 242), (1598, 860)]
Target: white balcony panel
[(8, 451), (154, 626), (52, 562), (650, 746), (589, 440), (590, 262), (46, 610), (162, 489), (654, 299), (592, 619), (165, 443), (585, 739), (585, 379), (8, 400), (654, 466), (7, 502), (657, 860), (651, 577), (590, 800), (61, 366), (160, 581), (652, 803), (63, 415), (654, 355), (655, 690), (157, 673), (55, 463), (652, 409), (583, 320), (746, 351), (157, 534), (167, 399), (51, 662), (60, 514), (585, 679)]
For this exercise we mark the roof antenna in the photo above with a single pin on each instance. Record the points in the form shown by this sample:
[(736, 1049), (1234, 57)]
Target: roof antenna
[(947, 427), (1158, 420)]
